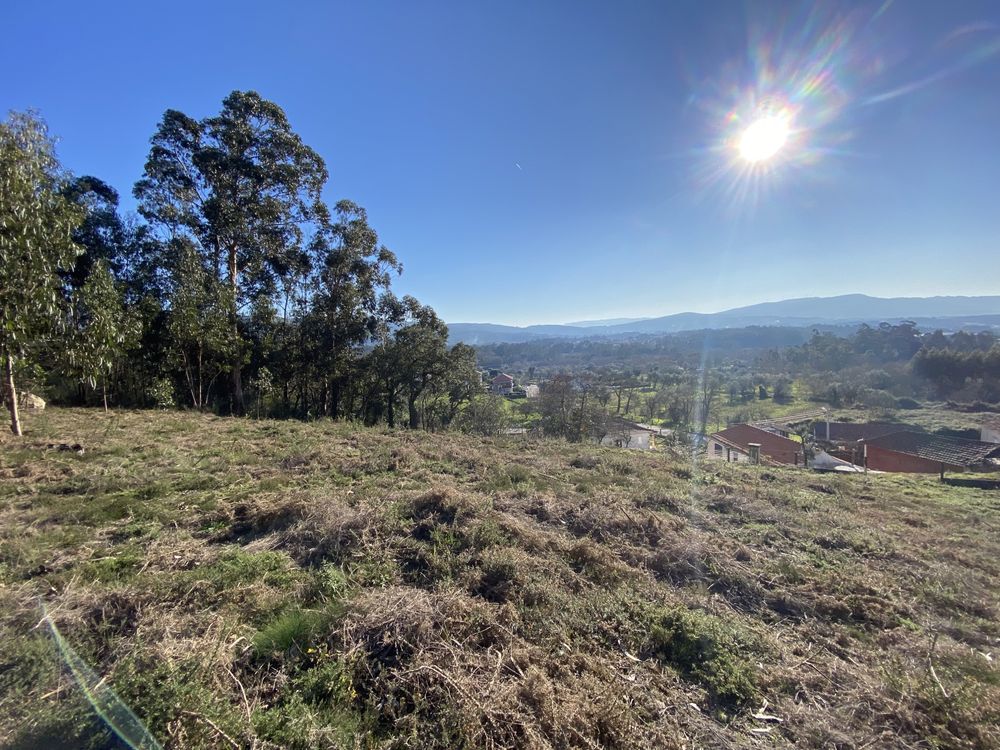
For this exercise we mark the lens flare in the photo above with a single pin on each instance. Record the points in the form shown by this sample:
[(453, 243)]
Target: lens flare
[(764, 138)]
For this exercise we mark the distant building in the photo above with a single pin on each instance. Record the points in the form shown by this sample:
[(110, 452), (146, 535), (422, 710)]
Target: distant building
[(531, 391), (625, 434), (990, 432), (502, 384), (739, 443), (852, 432), (923, 453)]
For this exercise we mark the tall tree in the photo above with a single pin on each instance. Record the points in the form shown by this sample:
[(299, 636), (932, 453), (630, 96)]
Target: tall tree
[(200, 338), (241, 185), (102, 331), (36, 227), (352, 274), (422, 347)]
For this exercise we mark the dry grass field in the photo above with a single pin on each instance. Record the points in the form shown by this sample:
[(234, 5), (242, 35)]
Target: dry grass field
[(269, 584)]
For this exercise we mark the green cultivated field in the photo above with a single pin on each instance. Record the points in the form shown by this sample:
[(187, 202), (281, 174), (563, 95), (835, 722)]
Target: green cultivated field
[(268, 584)]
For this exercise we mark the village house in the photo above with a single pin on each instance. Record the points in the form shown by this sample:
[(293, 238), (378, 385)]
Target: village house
[(625, 434), (502, 384), (743, 443), (923, 453)]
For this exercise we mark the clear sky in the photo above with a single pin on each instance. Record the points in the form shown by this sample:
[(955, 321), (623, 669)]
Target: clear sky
[(535, 162)]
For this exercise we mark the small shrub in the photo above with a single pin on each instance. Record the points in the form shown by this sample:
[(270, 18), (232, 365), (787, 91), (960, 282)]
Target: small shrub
[(585, 462), (489, 534), (708, 650)]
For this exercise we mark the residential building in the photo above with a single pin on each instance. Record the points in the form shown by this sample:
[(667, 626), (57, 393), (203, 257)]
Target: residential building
[(923, 453), (852, 432), (990, 431), (502, 384), (740, 443), (625, 434)]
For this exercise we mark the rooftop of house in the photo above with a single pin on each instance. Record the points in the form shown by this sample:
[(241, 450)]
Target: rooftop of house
[(851, 432), (948, 450), (621, 424), (502, 378), (741, 435)]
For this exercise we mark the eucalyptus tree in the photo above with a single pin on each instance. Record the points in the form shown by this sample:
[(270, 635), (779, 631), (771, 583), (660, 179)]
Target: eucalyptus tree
[(102, 330), (422, 354), (352, 276), (200, 339), (36, 243), (124, 244), (243, 187)]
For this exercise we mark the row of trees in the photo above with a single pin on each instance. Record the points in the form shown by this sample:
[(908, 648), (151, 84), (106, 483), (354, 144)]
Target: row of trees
[(890, 365), (951, 370), (237, 288), (586, 406)]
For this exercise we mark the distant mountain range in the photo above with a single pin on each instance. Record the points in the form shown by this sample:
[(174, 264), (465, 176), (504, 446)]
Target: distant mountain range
[(948, 313)]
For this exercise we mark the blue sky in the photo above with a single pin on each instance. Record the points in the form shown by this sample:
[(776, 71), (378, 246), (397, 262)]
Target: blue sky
[(554, 161)]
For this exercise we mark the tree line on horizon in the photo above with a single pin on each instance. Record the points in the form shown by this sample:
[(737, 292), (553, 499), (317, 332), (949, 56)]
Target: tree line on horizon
[(237, 288)]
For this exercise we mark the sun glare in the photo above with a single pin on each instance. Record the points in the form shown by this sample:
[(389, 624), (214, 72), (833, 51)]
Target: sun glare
[(764, 138)]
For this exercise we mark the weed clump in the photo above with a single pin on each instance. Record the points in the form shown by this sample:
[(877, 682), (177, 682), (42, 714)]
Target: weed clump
[(707, 650), (294, 631), (585, 462)]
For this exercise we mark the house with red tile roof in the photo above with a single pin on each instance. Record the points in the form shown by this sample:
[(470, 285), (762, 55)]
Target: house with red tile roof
[(923, 453), (741, 442), (502, 384)]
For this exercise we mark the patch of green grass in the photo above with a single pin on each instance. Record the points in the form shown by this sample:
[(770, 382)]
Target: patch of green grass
[(295, 630), (116, 567), (708, 650), (316, 710)]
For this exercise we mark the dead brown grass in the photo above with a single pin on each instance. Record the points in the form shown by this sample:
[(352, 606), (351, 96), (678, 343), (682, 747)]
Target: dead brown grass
[(320, 585)]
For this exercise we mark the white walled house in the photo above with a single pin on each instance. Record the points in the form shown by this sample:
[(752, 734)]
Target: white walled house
[(630, 435), (990, 432), (502, 384)]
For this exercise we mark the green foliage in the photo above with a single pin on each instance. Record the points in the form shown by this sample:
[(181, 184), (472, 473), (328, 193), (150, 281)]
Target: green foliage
[(199, 334), (315, 711), (36, 226), (242, 188), (708, 650), (485, 415), (103, 328)]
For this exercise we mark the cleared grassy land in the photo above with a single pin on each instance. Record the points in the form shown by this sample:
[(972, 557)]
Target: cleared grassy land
[(277, 584)]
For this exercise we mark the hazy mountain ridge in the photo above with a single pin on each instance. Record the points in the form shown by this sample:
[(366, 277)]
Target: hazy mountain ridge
[(950, 312)]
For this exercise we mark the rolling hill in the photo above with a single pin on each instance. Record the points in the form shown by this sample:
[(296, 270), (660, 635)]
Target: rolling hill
[(949, 313)]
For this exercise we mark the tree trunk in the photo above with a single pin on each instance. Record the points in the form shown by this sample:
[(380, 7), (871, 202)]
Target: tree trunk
[(104, 393), (15, 417), (411, 403), (335, 398), (239, 403)]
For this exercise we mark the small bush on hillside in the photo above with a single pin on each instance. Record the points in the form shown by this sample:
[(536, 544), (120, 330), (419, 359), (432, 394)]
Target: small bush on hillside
[(585, 462), (706, 650)]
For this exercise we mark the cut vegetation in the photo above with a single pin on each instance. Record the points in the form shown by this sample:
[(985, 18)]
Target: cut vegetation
[(268, 584)]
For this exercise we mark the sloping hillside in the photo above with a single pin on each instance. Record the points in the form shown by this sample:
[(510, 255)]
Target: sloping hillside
[(277, 584)]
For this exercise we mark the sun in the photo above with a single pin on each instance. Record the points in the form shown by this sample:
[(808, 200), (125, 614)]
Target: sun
[(764, 138)]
